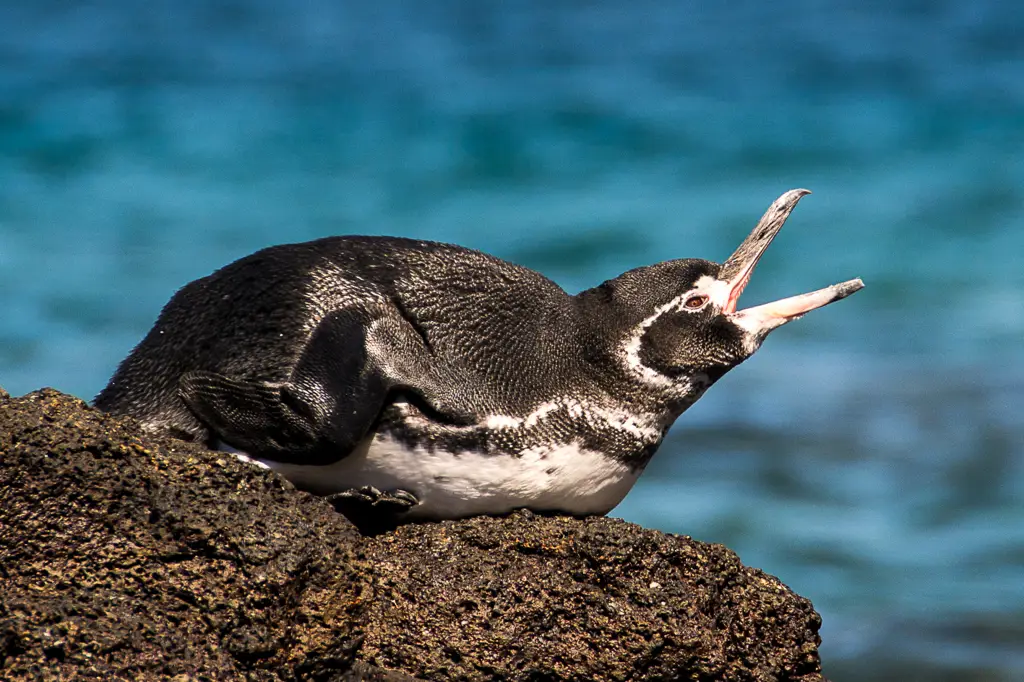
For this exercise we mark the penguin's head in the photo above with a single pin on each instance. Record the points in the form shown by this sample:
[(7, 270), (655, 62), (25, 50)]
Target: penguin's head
[(690, 330)]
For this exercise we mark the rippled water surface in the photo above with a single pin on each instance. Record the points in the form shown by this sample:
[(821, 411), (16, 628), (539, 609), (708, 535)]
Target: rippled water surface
[(871, 455)]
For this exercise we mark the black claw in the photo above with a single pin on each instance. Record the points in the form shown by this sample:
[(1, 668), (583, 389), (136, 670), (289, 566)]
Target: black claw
[(407, 496), (371, 510), (368, 496)]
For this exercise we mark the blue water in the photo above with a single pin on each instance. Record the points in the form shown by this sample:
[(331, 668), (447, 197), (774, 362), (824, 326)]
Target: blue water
[(871, 455)]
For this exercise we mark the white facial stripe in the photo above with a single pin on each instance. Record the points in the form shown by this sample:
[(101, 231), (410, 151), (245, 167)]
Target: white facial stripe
[(714, 289), (631, 349)]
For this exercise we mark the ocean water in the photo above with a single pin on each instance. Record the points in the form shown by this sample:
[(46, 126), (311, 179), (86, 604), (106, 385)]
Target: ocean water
[(871, 455)]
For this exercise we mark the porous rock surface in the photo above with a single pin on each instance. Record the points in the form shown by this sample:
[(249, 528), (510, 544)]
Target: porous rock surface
[(129, 556)]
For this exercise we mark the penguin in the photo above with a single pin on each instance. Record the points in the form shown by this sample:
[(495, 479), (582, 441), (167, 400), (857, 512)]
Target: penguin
[(407, 379)]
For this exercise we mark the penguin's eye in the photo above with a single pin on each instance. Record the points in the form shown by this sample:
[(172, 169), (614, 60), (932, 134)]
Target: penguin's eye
[(696, 302)]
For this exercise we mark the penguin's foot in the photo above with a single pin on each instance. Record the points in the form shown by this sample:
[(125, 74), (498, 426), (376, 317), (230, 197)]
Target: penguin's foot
[(373, 511), (368, 497)]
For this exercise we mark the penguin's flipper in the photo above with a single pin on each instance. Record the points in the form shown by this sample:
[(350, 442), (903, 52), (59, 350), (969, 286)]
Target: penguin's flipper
[(355, 361), (256, 418), (336, 391), (317, 416), (399, 350)]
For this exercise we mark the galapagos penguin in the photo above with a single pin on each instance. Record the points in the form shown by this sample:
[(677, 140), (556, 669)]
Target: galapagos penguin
[(420, 380)]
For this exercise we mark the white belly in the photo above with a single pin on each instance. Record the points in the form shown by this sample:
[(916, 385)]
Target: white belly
[(563, 478)]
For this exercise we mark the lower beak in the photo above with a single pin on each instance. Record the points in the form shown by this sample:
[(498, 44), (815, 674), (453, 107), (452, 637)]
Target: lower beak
[(761, 319), (736, 271)]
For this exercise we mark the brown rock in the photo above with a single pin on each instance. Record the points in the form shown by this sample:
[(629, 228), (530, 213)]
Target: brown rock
[(129, 556), (531, 598), (124, 556)]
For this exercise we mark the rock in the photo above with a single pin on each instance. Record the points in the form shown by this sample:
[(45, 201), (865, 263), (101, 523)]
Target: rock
[(530, 598), (125, 555)]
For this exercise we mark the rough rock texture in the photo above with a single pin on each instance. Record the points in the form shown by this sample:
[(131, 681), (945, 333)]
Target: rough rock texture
[(548, 598), (128, 557), (125, 556)]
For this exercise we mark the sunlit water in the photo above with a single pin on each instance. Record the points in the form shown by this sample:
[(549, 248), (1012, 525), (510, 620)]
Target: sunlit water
[(871, 455)]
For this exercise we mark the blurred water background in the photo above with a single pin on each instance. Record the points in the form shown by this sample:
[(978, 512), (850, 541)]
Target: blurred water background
[(871, 455)]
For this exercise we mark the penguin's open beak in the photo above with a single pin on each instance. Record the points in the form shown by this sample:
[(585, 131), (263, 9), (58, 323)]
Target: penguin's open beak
[(736, 271)]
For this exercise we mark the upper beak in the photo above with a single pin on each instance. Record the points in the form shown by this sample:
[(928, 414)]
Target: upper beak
[(736, 271)]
